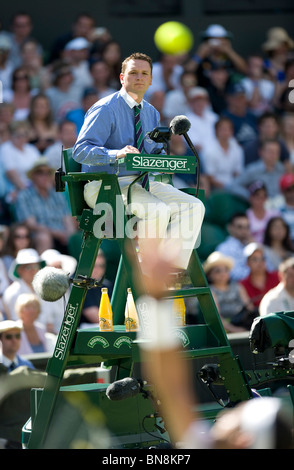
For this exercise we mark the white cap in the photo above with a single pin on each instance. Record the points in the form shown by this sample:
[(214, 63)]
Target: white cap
[(197, 91), (216, 31), (77, 44), (7, 325)]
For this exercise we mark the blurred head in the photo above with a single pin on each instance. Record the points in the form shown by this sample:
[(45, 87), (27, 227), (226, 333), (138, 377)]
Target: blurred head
[(40, 109), (21, 80), (10, 337), (83, 25), (21, 25), (286, 274), (256, 261), (277, 230), (270, 151), (218, 268), (28, 308), (198, 99), (268, 126), (239, 227), (67, 133), (224, 128), (19, 131)]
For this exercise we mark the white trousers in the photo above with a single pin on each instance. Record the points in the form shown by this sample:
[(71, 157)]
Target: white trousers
[(164, 212)]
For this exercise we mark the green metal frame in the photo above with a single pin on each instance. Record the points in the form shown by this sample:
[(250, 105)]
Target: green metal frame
[(120, 348)]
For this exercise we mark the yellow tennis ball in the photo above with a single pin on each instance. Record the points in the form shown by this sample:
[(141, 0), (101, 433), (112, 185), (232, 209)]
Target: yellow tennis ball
[(173, 37)]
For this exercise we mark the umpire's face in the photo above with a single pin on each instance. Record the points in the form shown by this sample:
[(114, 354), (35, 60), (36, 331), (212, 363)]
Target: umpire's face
[(136, 78)]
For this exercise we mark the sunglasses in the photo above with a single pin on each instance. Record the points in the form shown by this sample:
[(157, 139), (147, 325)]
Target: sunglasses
[(21, 236), (11, 336)]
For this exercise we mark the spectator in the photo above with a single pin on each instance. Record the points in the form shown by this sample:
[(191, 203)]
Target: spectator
[(19, 237), (10, 338), (43, 209), (43, 129), (82, 27), (77, 116), (17, 156), (90, 310), (62, 94), (229, 296), (245, 129), (201, 117), (32, 61), (76, 54), (22, 271), (6, 118), (66, 138), (176, 101), (34, 338), (166, 75), (260, 280), (268, 169), (277, 48), (21, 94), (258, 214), (218, 86), (233, 246), (21, 29), (287, 134), (216, 48), (281, 297), (259, 89), (268, 128), (283, 103), (6, 67), (223, 157), (100, 72), (286, 208), (112, 56), (277, 242)]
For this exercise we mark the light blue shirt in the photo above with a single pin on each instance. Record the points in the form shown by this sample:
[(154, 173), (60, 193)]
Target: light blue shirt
[(108, 127)]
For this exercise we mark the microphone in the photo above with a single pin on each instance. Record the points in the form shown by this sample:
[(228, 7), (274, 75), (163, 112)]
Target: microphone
[(122, 389), (180, 125), (51, 283)]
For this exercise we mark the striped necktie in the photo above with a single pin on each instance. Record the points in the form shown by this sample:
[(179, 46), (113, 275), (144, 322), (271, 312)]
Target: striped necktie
[(139, 142)]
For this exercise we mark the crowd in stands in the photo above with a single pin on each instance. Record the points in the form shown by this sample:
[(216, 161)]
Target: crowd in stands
[(242, 125)]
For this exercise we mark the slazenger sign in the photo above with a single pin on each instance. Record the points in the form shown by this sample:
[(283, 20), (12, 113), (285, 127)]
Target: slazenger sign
[(161, 163), (65, 332)]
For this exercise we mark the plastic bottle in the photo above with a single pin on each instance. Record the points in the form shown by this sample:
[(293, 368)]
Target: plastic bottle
[(179, 309), (105, 312), (131, 316)]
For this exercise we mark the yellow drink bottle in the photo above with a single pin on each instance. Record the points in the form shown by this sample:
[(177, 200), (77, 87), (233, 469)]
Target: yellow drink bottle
[(179, 309), (105, 312), (131, 316)]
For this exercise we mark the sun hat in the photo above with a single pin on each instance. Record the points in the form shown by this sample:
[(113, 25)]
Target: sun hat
[(275, 38), (215, 259), (7, 325), (25, 256), (42, 161)]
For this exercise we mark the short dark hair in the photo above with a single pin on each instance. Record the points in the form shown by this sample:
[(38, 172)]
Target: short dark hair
[(136, 56)]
